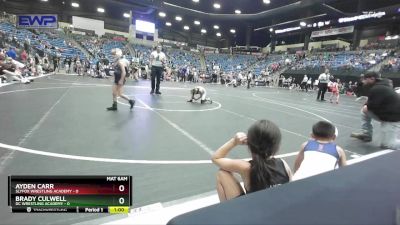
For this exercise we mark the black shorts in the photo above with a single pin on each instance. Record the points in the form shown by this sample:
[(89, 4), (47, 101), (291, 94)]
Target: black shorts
[(117, 78)]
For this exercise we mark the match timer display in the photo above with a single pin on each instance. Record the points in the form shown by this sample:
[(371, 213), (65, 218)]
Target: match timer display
[(74, 194)]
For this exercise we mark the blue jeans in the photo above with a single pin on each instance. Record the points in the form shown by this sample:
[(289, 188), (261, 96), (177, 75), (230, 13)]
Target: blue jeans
[(390, 136), (366, 122)]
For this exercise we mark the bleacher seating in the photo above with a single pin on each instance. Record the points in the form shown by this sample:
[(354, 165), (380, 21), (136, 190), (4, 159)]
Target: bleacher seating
[(51, 43), (392, 66), (142, 52), (109, 45), (352, 60), (44, 42), (271, 63), (229, 63), (181, 58)]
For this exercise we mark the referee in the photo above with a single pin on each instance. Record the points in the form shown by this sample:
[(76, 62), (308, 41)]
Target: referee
[(323, 85), (157, 61)]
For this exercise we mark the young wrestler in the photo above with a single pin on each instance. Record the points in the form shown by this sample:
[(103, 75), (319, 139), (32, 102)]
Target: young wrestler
[(121, 69), (202, 95), (320, 154), (335, 91)]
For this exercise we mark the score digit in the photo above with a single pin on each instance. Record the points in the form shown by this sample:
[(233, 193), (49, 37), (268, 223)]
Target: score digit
[(121, 188)]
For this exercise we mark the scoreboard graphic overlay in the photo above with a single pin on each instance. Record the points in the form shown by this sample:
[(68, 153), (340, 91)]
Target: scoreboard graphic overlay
[(70, 194)]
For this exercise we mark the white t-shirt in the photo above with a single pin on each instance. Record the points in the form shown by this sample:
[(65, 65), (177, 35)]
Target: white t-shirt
[(305, 79), (323, 78), (158, 58)]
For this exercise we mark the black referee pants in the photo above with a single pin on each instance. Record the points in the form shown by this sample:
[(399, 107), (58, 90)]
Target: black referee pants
[(322, 87), (156, 73)]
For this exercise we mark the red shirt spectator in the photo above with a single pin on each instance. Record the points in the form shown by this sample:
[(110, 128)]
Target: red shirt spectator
[(24, 56)]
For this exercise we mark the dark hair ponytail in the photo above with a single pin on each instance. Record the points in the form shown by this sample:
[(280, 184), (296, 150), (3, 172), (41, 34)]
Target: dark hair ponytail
[(263, 139), (260, 176)]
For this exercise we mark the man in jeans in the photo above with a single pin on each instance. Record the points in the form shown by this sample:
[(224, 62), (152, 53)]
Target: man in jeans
[(157, 62), (383, 105)]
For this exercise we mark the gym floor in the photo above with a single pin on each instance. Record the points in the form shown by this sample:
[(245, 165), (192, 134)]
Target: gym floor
[(164, 142)]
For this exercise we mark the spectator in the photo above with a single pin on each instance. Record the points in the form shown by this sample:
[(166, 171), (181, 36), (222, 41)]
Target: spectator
[(320, 154), (67, 63), (360, 90), (249, 78), (383, 105), (304, 83), (8, 71), (309, 84), (24, 56), (56, 62), (263, 171), (11, 53)]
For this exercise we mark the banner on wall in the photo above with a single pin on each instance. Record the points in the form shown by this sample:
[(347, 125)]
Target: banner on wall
[(33, 21), (332, 31)]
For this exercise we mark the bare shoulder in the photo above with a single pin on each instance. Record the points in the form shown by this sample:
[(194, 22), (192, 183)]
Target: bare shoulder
[(340, 150), (303, 145)]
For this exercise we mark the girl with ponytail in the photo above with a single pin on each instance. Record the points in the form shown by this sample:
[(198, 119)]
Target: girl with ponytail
[(261, 172)]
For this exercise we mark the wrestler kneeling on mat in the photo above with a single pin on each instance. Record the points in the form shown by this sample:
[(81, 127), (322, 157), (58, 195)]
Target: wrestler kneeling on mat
[(120, 72), (202, 95)]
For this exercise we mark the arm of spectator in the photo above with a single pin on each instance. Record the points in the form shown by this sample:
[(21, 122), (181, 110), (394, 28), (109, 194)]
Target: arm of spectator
[(231, 165), (342, 157), (299, 157)]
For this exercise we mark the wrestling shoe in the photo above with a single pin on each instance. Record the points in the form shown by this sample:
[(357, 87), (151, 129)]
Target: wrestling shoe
[(131, 103), (113, 107), (191, 100)]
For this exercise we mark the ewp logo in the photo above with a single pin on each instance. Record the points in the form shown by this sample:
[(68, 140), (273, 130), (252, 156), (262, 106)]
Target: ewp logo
[(37, 21)]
